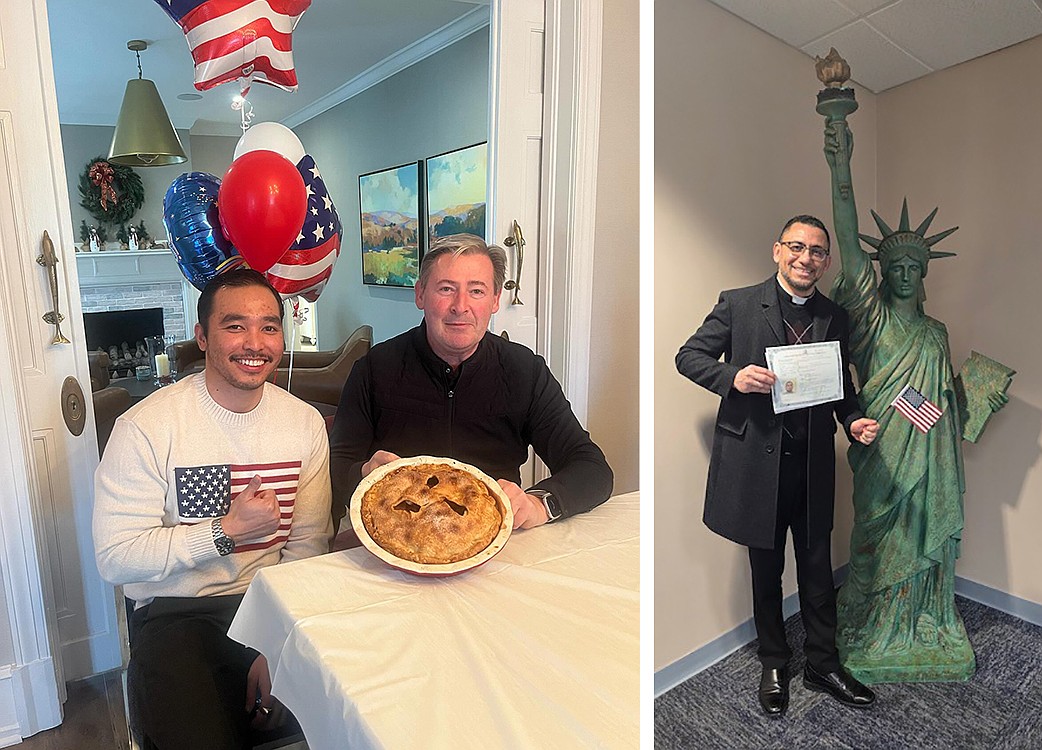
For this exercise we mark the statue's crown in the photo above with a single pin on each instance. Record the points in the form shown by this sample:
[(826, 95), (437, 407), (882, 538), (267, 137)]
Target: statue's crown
[(905, 238)]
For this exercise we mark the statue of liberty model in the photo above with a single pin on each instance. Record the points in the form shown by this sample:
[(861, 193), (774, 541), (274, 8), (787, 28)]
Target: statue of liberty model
[(896, 611)]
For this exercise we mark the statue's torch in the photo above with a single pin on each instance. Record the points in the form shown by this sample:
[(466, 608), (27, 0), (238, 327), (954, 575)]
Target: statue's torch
[(835, 102)]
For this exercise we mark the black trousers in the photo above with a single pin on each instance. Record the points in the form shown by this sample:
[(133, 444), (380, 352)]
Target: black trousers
[(817, 590), (187, 678)]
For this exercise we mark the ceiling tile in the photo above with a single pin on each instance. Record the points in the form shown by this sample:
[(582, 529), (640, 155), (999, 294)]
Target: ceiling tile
[(875, 63), (795, 22), (861, 7), (947, 32)]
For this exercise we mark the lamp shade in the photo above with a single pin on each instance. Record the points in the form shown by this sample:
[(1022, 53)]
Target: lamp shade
[(144, 136)]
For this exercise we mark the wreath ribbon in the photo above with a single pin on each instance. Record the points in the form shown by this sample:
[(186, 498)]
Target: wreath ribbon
[(101, 176)]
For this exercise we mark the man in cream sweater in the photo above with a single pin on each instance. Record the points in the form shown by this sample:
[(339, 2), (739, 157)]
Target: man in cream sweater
[(202, 484)]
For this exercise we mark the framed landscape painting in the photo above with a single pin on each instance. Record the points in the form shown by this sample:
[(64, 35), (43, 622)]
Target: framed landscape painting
[(456, 191), (390, 220)]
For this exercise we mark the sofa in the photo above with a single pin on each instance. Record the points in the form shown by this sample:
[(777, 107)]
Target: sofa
[(318, 377)]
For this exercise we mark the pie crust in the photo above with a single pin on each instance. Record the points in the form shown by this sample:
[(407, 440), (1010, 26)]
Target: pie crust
[(427, 511)]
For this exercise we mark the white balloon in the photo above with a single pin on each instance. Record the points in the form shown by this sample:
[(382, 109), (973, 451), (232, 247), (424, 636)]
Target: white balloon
[(271, 136)]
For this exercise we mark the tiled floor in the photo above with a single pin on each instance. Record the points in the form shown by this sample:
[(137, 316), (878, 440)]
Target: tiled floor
[(94, 718)]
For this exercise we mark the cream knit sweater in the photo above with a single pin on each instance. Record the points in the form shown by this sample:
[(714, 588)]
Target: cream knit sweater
[(173, 463)]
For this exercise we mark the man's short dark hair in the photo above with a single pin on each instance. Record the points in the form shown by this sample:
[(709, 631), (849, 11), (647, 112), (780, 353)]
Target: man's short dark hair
[(237, 277), (465, 244), (811, 221)]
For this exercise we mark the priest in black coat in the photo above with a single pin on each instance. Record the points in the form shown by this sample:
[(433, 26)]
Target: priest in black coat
[(773, 472)]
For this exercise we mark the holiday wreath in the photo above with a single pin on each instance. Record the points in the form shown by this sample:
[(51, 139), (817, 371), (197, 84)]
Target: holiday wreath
[(111, 193)]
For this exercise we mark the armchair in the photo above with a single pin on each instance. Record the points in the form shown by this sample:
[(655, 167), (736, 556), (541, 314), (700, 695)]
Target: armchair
[(318, 377), (109, 401)]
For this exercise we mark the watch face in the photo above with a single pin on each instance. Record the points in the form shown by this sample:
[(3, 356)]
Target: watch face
[(224, 545), (553, 509)]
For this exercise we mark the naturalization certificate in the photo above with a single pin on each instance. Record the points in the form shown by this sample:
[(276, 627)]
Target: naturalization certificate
[(807, 375)]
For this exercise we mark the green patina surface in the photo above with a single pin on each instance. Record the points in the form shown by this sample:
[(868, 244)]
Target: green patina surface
[(896, 611)]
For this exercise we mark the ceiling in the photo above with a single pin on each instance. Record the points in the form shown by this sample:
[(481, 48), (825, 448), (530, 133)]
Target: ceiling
[(890, 42), (339, 48)]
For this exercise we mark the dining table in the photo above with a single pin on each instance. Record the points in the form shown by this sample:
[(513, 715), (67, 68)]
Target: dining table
[(536, 648)]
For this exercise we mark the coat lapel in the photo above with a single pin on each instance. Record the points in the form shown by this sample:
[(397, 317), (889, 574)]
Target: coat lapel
[(822, 318), (772, 310)]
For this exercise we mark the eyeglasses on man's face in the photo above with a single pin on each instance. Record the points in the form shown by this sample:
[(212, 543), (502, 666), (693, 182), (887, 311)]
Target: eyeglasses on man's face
[(817, 252)]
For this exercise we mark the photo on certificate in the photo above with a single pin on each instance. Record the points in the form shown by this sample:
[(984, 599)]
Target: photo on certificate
[(807, 375)]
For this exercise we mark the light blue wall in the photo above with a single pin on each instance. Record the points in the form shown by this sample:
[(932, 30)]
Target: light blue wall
[(81, 143), (437, 105)]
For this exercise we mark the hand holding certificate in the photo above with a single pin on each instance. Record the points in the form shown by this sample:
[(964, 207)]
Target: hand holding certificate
[(807, 375)]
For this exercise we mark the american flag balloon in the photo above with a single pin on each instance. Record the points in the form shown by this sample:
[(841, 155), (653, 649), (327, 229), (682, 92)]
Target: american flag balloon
[(231, 39), (307, 265)]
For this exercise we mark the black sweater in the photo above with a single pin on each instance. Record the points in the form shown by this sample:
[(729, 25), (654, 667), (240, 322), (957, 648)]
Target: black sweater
[(402, 398)]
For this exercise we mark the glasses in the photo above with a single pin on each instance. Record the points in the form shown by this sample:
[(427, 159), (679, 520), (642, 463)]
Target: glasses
[(817, 252)]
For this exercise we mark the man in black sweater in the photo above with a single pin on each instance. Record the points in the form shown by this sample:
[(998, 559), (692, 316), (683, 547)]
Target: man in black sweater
[(449, 387)]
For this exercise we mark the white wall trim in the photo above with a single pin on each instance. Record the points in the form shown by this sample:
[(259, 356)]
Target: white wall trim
[(572, 126), (422, 48), (36, 704), (727, 643), (1023, 609), (719, 648)]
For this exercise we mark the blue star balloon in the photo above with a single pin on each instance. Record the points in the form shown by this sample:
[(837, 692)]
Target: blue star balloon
[(193, 225)]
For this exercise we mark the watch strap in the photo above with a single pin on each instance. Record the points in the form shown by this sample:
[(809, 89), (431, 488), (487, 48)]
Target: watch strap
[(225, 544), (550, 504)]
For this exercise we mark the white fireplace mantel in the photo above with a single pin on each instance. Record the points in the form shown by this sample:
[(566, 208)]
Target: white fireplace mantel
[(115, 267), (122, 268)]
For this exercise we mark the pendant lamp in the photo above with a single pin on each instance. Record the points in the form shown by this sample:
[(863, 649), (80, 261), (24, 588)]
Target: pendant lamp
[(144, 136)]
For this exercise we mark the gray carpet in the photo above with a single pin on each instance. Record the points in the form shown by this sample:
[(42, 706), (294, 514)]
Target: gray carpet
[(1000, 707)]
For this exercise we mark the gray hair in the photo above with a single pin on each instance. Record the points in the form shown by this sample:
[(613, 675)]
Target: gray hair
[(465, 244)]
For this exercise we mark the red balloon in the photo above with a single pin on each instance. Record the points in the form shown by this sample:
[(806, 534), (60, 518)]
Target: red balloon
[(262, 204)]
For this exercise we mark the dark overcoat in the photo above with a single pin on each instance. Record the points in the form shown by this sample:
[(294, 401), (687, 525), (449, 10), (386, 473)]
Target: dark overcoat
[(742, 487)]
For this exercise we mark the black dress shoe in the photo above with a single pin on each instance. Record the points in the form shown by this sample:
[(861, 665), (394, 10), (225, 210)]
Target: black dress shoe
[(841, 685), (774, 691)]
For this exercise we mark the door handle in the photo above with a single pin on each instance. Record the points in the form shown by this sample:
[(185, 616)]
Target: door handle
[(516, 239), (49, 260)]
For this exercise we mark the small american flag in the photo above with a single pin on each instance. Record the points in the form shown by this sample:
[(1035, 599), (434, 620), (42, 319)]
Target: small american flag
[(232, 39), (306, 266), (206, 492), (918, 409)]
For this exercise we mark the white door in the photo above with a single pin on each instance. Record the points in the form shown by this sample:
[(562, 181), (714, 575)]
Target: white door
[(515, 155), (517, 49), (71, 603), (545, 79)]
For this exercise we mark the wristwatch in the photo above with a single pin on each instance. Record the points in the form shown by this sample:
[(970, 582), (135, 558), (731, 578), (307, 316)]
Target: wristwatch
[(225, 544), (550, 504)]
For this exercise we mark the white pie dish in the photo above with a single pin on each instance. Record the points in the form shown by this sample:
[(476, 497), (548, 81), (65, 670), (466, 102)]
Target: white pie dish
[(431, 569)]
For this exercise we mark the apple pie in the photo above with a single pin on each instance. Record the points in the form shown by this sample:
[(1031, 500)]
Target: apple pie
[(431, 513)]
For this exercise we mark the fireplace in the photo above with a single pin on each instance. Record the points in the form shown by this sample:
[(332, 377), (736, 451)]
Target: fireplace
[(123, 334), (105, 329)]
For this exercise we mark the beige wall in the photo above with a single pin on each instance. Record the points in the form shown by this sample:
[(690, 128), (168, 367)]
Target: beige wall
[(614, 336), (968, 140), (738, 150)]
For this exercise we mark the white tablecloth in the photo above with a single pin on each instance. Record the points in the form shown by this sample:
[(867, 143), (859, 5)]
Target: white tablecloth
[(537, 648)]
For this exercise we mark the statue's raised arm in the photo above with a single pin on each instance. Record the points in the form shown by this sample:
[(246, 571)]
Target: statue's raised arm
[(839, 146)]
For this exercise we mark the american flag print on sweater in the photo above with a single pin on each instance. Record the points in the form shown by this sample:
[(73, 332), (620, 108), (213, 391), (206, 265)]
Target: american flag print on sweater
[(206, 492)]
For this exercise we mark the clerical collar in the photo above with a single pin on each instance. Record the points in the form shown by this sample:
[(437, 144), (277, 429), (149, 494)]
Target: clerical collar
[(795, 299)]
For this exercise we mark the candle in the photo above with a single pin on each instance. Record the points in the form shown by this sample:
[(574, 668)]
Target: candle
[(162, 366)]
